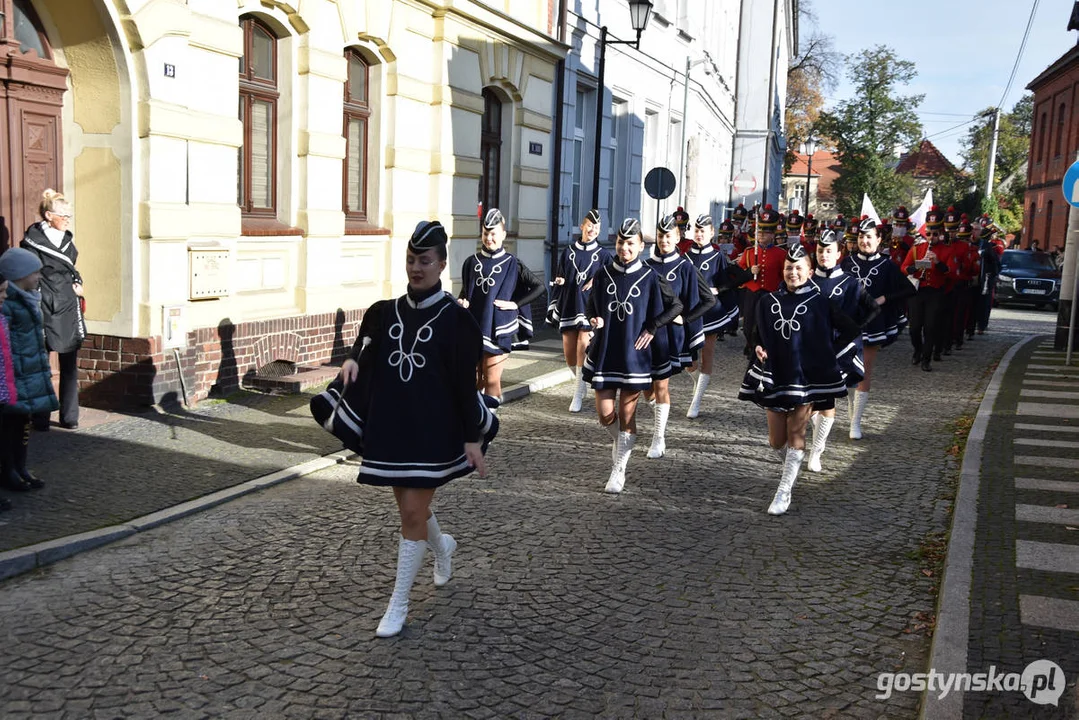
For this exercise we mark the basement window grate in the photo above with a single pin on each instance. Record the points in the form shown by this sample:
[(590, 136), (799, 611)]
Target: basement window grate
[(277, 368)]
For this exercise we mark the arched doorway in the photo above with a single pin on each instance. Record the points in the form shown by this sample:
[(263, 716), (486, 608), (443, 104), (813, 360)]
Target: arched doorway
[(32, 87)]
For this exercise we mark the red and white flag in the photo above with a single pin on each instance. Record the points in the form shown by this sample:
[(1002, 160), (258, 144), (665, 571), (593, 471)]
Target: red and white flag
[(917, 218)]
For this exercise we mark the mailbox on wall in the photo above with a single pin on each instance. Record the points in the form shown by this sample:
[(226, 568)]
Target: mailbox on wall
[(209, 273)]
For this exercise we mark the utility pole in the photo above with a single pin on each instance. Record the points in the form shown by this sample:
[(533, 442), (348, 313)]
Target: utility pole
[(992, 155)]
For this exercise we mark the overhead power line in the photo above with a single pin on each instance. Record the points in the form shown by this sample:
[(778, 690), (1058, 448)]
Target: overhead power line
[(1019, 55)]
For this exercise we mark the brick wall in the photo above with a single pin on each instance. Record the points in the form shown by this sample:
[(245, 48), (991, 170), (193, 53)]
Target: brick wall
[(119, 372)]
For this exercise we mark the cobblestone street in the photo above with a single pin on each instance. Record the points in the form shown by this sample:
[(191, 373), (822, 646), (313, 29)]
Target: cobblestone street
[(679, 598)]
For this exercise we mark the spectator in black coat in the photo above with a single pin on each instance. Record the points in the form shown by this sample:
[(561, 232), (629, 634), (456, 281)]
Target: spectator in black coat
[(61, 300)]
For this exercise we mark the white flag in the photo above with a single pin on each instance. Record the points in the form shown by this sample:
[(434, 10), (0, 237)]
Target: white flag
[(917, 218), (868, 209)]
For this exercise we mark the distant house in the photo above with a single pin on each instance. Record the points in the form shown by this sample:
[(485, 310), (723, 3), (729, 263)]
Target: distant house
[(822, 172), (926, 165)]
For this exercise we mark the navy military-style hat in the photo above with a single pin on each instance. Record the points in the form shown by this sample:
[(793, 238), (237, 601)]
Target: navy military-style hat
[(703, 221), (828, 237), (630, 228), (493, 219), (866, 224), (796, 252), (428, 234), (666, 224), (593, 216)]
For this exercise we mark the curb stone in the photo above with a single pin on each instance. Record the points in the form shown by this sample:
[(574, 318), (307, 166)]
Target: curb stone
[(25, 559)]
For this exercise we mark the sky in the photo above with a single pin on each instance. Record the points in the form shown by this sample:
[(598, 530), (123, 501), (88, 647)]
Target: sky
[(964, 51)]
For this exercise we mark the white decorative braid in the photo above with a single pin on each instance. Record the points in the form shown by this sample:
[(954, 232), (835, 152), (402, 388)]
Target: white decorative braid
[(406, 363)]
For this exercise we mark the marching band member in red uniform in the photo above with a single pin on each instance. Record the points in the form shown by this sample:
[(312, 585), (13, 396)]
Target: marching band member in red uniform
[(764, 260), (809, 234), (969, 268), (927, 263)]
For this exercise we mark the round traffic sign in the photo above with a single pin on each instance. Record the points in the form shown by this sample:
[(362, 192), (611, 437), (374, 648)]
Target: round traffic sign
[(1070, 186), (744, 183), (659, 183)]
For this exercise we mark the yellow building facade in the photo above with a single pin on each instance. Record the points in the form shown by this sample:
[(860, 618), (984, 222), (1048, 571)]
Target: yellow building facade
[(245, 173)]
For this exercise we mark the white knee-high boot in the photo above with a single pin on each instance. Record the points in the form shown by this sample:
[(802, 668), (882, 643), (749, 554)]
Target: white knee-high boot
[(659, 439), (579, 391), (782, 499), (442, 546), (698, 395), (624, 447), (860, 399), (821, 428), (409, 559)]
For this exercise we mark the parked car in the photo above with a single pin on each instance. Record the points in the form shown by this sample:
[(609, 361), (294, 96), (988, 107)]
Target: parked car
[(1028, 278)]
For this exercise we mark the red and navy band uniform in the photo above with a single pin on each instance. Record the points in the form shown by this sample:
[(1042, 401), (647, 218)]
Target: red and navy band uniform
[(422, 382), (878, 276), (486, 277), (926, 305), (683, 340), (577, 266), (804, 333), (629, 299)]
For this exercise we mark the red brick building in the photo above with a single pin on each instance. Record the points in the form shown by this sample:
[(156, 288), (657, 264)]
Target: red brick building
[(1054, 141)]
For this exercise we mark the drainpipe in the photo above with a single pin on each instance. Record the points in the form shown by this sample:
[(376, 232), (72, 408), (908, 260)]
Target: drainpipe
[(556, 152)]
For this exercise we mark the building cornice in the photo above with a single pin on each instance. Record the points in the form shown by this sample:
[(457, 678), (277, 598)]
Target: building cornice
[(499, 23)]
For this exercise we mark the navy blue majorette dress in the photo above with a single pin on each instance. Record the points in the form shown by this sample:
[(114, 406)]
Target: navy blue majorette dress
[(845, 291), (803, 333), (878, 276), (712, 264), (683, 340), (486, 277), (423, 405), (578, 264), (629, 298)]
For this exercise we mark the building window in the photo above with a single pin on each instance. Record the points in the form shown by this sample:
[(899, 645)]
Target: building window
[(357, 124), (1041, 138), (617, 181), (257, 186), (1061, 129), (578, 185), (490, 149), (27, 30), (650, 152), (1048, 225)]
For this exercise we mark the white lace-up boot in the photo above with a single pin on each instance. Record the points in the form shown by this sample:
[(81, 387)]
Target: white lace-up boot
[(442, 546), (698, 395), (624, 447), (860, 399), (409, 559), (821, 427), (782, 499), (579, 392), (659, 440)]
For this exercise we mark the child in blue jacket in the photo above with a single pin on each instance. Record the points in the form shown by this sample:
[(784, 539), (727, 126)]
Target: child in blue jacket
[(30, 360)]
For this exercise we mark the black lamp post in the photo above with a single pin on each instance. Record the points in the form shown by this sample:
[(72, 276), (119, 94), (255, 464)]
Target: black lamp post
[(808, 148), (639, 13)]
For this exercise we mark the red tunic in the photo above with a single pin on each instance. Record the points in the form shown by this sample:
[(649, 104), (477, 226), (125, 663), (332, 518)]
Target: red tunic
[(770, 263), (932, 277)]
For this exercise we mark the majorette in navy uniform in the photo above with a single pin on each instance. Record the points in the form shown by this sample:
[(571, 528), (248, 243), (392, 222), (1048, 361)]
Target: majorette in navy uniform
[(797, 339), (629, 303), (881, 280), (716, 271), (424, 424), (685, 334), (498, 289), (856, 303), (573, 284)]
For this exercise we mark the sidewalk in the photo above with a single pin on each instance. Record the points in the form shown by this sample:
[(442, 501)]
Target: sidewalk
[(1011, 584), (119, 473)]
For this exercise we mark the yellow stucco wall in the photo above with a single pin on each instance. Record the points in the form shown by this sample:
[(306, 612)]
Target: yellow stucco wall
[(97, 209), (90, 58)]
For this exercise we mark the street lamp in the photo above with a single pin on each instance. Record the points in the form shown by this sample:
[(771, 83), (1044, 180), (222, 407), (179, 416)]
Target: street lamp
[(807, 148), (639, 13)]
